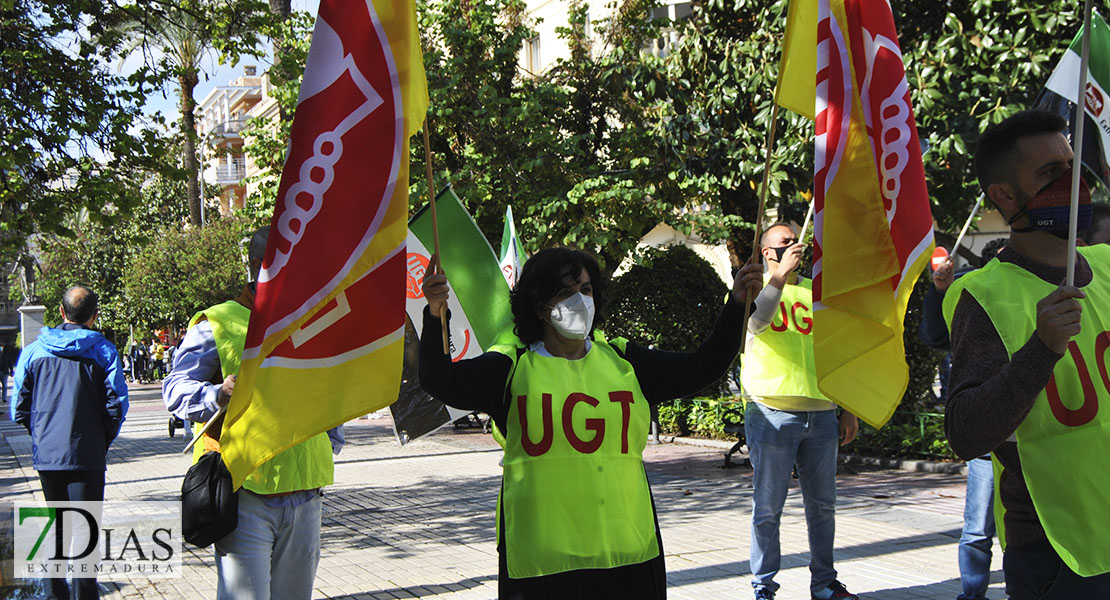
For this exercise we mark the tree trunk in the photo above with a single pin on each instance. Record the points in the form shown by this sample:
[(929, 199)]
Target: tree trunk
[(188, 81), (281, 9)]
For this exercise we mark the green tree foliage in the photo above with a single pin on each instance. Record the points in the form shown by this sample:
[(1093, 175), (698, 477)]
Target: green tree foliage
[(96, 257), (716, 115), (971, 64), (671, 302), (71, 133), (179, 35), (570, 148), (968, 65), (174, 38), (185, 271), (99, 255), (266, 142)]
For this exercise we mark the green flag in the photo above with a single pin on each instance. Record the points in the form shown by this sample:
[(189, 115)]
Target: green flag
[(479, 304), (479, 295), (1064, 82), (512, 251)]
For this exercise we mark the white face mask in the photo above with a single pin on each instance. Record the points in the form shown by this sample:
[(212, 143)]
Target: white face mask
[(573, 317)]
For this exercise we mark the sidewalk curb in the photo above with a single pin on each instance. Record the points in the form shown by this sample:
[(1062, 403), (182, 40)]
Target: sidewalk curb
[(898, 464)]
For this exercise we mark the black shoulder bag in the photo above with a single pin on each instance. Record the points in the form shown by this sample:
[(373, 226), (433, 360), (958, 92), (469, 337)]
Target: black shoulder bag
[(209, 506)]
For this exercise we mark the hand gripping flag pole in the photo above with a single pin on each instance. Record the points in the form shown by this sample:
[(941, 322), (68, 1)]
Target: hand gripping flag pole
[(1077, 140)]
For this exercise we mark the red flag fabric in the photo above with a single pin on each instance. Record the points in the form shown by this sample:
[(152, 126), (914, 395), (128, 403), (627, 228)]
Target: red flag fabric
[(326, 333), (873, 226)]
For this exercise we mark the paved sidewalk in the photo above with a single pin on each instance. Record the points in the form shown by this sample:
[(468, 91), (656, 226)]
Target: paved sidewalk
[(418, 521)]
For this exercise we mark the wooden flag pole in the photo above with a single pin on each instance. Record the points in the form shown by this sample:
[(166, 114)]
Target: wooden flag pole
[(759, 214), (1077, 140), (963, 232), (435, 229), (207, 424)]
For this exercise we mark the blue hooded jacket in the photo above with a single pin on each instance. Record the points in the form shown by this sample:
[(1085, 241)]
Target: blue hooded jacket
[(70, 394)]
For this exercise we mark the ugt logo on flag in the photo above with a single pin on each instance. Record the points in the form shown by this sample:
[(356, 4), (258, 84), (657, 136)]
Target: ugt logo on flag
[(347, 116), (328, 315)]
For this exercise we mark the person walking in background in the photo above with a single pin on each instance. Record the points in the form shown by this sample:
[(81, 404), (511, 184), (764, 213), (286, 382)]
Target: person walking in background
[(790, 422), (71, 397), (140, 364), (1021, 385), (977, 536), (275, 548), (159, 360)]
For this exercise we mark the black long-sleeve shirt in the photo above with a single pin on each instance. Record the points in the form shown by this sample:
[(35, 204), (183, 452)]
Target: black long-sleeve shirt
[(479, 383)]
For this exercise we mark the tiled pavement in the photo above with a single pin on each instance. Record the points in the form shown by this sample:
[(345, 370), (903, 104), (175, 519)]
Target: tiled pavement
[(417, 521)]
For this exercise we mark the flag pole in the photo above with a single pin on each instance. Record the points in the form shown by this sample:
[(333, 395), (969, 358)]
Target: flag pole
[(759, 213), (963, 232), (435, 228), (1077, 140), (207, 424), (805, 225)]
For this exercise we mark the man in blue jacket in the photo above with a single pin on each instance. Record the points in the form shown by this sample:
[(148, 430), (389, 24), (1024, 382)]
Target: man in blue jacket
[(70, 394)]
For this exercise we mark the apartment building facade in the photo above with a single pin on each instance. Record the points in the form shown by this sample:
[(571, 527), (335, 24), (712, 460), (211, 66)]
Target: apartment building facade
[(221, 118)]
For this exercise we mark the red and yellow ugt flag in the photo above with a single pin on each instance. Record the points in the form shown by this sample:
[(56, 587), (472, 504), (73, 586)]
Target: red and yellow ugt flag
[(326, 333), (872, 225)]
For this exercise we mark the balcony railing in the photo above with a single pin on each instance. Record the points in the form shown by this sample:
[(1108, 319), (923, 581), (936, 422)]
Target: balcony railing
[(230, 127), (229, 171)]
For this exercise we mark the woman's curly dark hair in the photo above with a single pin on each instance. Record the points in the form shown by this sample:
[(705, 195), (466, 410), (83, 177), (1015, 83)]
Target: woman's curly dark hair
[(540, 280)]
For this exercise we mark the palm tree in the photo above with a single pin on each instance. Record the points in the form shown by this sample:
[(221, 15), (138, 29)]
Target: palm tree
[(180, 36), (281, 9)]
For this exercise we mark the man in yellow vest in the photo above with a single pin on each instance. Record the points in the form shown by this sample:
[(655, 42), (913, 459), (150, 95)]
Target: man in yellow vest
[(1029, 370), (275, 548), (790, 422)]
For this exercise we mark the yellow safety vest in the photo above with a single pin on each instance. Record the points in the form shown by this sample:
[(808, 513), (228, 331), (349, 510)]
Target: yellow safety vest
[(575, 494), (1066, 427), (307, 465), (779, 361)]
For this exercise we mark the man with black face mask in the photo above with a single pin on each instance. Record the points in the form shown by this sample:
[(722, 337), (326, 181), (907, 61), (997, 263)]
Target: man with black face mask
[(1027, 353), (789, 421)]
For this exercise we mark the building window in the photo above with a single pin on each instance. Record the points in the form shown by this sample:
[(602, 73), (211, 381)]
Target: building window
[(533, 55)]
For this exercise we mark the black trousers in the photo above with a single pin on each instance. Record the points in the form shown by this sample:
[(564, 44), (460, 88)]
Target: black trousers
[(73, 486), (643, 581), (1035, 572)]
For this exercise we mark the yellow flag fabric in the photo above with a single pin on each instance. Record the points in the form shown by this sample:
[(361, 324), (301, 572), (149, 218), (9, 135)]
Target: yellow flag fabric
[(873, 225), (337, 240), (798, 66)]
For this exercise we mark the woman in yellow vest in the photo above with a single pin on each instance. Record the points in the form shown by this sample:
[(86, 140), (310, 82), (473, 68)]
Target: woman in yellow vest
[(576, 517)]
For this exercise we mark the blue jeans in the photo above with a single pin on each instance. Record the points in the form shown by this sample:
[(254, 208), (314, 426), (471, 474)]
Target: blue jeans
[(778, 440), (976, 539), (273, 552)]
